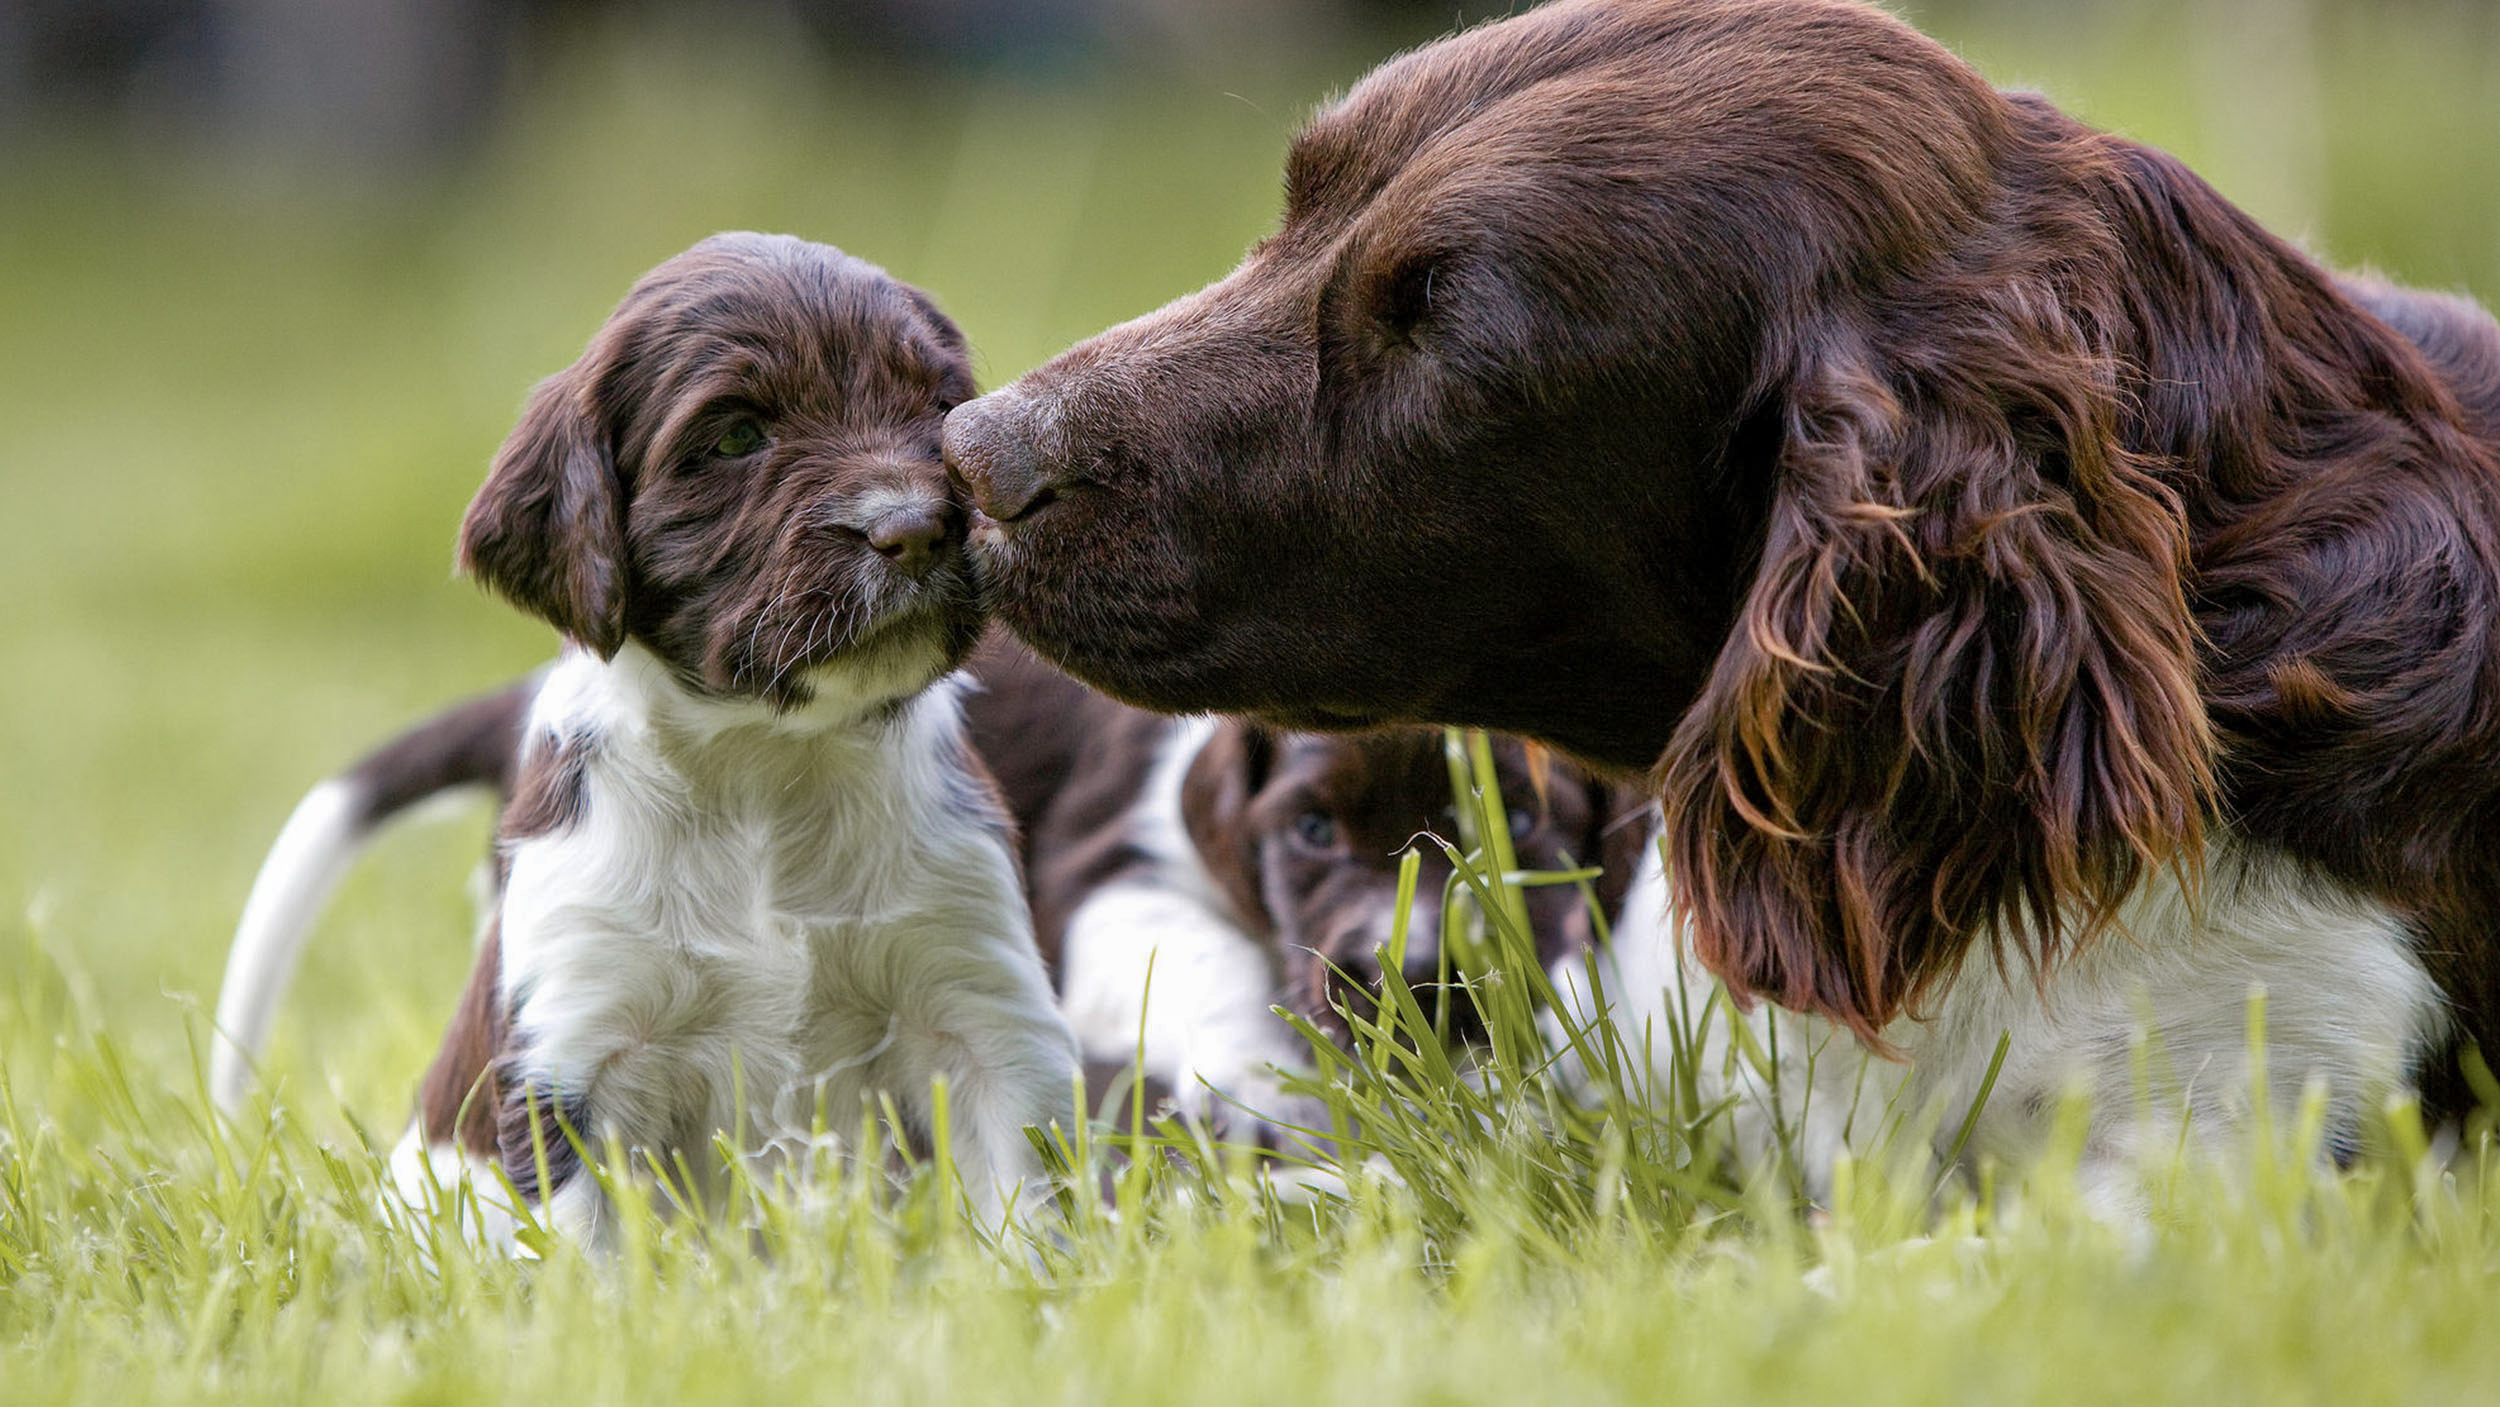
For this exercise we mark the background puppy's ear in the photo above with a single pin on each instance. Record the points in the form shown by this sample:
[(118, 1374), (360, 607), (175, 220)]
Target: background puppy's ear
[(546, 531), (1960, 697), (1215, 804)]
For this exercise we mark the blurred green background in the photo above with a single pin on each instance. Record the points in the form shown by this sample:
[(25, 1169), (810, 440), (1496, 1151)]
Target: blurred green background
[(266, 308)]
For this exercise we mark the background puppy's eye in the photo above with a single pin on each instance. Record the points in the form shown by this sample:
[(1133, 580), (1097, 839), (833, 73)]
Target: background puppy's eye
[(743, 438), (1316, 830), (1520, 823)]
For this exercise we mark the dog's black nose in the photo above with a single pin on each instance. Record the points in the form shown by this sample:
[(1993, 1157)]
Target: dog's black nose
[(991, 455), (912, 536)]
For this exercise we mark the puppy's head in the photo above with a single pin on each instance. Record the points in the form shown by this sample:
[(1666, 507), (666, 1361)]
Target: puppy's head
[(1306, 833), (741, 474)]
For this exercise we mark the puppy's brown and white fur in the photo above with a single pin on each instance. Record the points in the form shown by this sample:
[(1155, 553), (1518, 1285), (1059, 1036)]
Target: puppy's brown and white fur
[(1191, 874), (750, 872)]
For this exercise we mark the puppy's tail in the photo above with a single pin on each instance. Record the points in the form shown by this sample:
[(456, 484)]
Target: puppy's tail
[(472, 744)]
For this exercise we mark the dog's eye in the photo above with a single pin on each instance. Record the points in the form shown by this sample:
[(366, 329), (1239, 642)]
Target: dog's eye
[(1316, 829), (739, 440), (1404, 298), (1520, 823)]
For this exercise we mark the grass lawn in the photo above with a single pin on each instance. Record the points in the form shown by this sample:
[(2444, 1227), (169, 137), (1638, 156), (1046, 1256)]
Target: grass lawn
[(240, 409)]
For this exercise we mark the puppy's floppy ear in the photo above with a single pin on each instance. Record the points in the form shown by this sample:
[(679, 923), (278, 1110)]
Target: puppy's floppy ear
[(1215, 804), (1959, 700), (546, 531), (951, 336)]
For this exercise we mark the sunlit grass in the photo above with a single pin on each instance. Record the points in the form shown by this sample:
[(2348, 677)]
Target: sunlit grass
[(240, 408), (1483, 1235)]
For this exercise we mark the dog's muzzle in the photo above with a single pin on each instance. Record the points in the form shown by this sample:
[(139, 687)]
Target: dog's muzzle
[(993, 453)]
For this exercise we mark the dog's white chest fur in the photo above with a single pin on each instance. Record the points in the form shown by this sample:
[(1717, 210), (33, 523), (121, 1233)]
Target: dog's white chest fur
[(2150, 1026), (749, 920)]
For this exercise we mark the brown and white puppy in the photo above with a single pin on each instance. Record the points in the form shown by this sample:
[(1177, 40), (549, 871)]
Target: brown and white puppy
[(749, 871), (1986, 539), (1190, 874)]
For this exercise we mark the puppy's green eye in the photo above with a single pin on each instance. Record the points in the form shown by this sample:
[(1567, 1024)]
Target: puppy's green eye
[(743, 438)]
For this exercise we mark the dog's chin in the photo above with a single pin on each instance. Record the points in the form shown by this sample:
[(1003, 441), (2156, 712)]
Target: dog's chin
[(1139, 640), (1099, 605), (1329, 718)]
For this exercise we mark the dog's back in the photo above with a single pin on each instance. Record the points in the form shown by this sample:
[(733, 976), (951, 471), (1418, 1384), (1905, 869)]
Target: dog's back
[(2457, 336)]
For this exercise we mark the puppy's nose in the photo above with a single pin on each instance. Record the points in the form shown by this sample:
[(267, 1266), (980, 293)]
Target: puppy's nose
[(912, 536), (991, 453)]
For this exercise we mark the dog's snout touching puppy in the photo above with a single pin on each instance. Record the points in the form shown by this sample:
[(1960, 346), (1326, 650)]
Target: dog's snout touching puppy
[(993, 450)]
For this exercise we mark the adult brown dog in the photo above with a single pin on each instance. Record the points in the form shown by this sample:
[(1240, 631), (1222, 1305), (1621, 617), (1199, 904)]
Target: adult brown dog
[(1980, 532)]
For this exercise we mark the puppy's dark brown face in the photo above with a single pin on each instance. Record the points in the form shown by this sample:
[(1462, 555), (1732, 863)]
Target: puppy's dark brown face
[(742, 475), (1307, 833)]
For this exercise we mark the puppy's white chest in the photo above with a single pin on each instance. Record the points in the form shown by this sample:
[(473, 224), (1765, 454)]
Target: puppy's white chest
[(667, 963), (725, 937)]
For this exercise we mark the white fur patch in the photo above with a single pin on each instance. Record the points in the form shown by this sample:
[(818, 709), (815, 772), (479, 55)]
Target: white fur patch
[(759, 919), (435, 1180), (1156, 957), (2159, 1005)]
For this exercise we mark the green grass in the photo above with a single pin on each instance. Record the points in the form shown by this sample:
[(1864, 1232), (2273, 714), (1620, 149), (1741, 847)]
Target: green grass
[(240, 408)]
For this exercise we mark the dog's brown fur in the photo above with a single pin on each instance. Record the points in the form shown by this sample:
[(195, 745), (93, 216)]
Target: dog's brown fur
[(1954, 510)]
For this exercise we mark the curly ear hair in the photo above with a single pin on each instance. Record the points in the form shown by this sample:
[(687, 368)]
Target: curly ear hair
[(546, 530), (1959, 702)]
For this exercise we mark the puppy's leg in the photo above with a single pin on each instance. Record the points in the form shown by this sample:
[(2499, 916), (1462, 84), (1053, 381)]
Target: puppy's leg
[(541, 1133), (430, 1178), (1009, 1064)]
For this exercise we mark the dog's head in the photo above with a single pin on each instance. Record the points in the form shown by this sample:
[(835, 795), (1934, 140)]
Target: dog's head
[(1306, 832), (742, 475), (1731, 390)]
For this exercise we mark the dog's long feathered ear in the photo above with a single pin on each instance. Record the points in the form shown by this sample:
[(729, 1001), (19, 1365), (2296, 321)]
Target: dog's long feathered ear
[(1215, 804), (546, 531), (1959, 703)]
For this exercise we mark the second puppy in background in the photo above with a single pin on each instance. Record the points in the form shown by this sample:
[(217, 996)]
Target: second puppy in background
[(1189, 874)]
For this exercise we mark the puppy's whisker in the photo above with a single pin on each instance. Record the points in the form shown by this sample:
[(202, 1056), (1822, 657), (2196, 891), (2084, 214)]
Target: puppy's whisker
[(755, 629)]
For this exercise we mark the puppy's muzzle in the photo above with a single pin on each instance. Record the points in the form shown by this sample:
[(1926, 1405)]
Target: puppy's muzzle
[(993, 448)]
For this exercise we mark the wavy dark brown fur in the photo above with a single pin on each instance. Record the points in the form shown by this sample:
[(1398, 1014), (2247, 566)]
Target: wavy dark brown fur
[(2110, 515), (1959, 513)]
